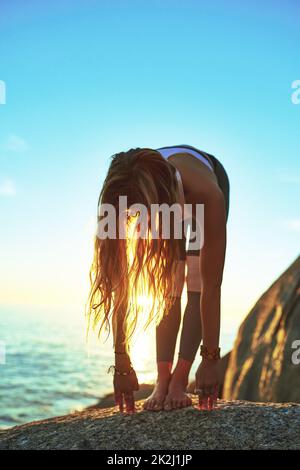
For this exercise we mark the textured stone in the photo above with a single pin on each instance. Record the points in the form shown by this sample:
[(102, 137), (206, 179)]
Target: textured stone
[(260, 366), (233, 425)]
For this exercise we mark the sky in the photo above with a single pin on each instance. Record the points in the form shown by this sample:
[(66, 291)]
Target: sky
[(87, 79)]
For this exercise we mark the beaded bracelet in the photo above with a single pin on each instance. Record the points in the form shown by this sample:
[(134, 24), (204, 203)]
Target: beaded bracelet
[(119, 372), (211, 355)]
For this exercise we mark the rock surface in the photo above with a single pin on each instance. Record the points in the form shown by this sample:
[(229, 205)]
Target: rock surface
[(233, 425), (260, 366)]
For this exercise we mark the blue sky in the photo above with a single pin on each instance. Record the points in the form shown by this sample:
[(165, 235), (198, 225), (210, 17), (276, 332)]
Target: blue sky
[(87, 79)]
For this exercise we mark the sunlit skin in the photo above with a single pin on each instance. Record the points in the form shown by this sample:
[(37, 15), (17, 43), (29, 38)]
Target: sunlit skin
[(200, 186)]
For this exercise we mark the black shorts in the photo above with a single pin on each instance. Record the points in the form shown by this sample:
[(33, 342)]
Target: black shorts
[(223, 180)]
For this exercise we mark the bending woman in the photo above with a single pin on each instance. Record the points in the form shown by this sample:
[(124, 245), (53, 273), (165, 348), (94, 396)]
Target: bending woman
[(122, 269)]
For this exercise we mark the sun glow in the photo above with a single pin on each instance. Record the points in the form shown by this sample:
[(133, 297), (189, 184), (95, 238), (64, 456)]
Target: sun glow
[(142, 344), (145, 305)]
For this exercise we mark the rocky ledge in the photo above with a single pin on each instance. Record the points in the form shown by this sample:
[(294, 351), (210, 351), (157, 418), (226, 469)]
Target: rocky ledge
[(232, 425)]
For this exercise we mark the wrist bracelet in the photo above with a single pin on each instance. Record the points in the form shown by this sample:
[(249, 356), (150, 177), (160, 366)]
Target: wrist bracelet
[(211, 355)]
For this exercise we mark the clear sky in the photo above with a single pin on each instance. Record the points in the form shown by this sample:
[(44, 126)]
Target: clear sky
[(87, 79)]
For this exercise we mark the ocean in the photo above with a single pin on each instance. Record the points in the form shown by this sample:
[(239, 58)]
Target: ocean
[(50, 371)]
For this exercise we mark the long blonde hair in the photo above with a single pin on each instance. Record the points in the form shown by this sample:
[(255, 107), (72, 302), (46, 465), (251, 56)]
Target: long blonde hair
[(125, 273)]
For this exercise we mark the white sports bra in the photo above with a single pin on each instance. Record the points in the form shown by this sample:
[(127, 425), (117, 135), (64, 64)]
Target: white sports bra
[(166, 152)]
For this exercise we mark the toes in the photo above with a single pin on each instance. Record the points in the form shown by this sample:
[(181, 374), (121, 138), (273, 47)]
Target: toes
[(157, 406), (167, 405), (150, 405), (173, 404), (177, 402), (153, 405), (147, 404), (181, 403)]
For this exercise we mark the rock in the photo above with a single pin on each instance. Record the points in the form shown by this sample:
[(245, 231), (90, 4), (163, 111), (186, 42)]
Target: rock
[(260, 366), (233, 425)]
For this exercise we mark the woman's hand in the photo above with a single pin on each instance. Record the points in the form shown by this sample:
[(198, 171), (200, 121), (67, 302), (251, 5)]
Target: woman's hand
[(124, 385), (207, 383)]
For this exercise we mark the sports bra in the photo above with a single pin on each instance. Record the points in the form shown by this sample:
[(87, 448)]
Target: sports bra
[(166, 152)]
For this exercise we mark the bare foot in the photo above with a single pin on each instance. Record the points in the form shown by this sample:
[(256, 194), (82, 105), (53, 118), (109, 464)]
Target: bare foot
[(155, 402), (177, 396)]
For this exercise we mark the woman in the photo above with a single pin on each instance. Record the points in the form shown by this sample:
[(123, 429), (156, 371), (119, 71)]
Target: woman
[(121, 269)]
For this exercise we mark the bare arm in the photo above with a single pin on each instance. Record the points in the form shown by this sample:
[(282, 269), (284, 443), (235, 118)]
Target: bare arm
[(124, 385), (121, 348), (212, 257)]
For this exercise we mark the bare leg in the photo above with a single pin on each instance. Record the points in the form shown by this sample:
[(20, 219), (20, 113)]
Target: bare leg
[(191, 335), (156, 400), (166, 335)]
